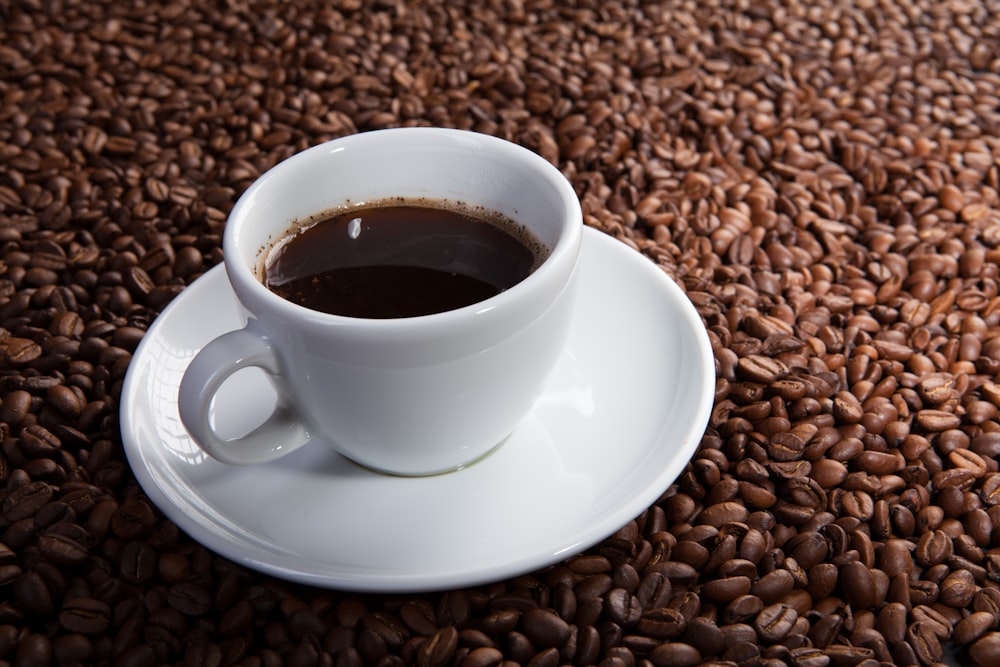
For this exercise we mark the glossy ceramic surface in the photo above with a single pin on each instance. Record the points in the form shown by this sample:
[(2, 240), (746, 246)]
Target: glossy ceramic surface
[(623, 414), (411, 395)]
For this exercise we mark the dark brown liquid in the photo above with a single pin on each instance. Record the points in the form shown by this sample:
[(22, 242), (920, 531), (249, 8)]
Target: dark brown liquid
[(398, 261)]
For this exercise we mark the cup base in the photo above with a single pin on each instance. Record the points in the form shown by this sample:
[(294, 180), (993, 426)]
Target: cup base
[(432, 473)]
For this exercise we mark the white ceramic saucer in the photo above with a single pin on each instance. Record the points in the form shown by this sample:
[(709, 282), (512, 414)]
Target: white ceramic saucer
[(622, 416)]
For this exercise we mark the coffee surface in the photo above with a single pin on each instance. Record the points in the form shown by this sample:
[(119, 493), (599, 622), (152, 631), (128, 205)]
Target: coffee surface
[(399, 260)]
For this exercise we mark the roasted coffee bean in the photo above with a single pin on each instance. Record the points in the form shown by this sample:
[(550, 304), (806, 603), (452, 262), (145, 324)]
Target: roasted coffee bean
[(21, 351), (134, 519), (978, 526), (37, 441), (987, 599), (663, 623), (986, 650), (922, 592), (924, 642), (675, 654), (676, 572), (687, 603), (842, 654), (858, 585), (822, 580), (808, 548), (188, 262), (933, 619), (519, 647), (593, 586), (137, 656), (483, 657), (61, 549), (99, 514), (189, 598), (757, 368), (237, 619), (896, 557), (881, 527), (937, 421), (439, 648), (892, 622), (386, 626), (73, 648), (973, 626), (34, 649), (418, 615), (622, 607), (588, 646), (773, 586), (85, 616), (33, 594), (723, 513), (60, 517), (500, 621), (745, 652), (725, 590), (138, 562), (934, 547), (15, 407), (990, 491), (774, 622), (67, 401), (957, 589), (625, 577), (738, 567), (736, 634), (704, 635), (808, 656), (825, 629), (545, 628), (873, 640), (26, 500), (741, 609)]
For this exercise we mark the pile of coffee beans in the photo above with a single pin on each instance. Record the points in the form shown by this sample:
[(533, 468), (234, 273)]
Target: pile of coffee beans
[(821, 178)]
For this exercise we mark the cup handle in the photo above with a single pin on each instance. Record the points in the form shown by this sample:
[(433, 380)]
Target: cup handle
[(282, 433)]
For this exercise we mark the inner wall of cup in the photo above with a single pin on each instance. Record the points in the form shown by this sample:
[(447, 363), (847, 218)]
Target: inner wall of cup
[(471, 170)]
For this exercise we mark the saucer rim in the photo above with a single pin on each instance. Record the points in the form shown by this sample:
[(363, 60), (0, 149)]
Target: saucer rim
[(200, 527)]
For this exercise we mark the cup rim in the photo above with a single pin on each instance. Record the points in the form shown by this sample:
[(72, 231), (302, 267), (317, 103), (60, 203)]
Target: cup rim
[(565, 250)]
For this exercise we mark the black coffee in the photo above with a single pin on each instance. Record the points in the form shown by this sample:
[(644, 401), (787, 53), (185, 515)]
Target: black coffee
[(400, 259)]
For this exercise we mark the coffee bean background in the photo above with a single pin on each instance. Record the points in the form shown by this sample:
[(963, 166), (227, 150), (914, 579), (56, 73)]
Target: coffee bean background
[(821, 178)]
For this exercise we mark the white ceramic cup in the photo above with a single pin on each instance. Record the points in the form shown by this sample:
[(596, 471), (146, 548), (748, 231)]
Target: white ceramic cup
[(409, 396)]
